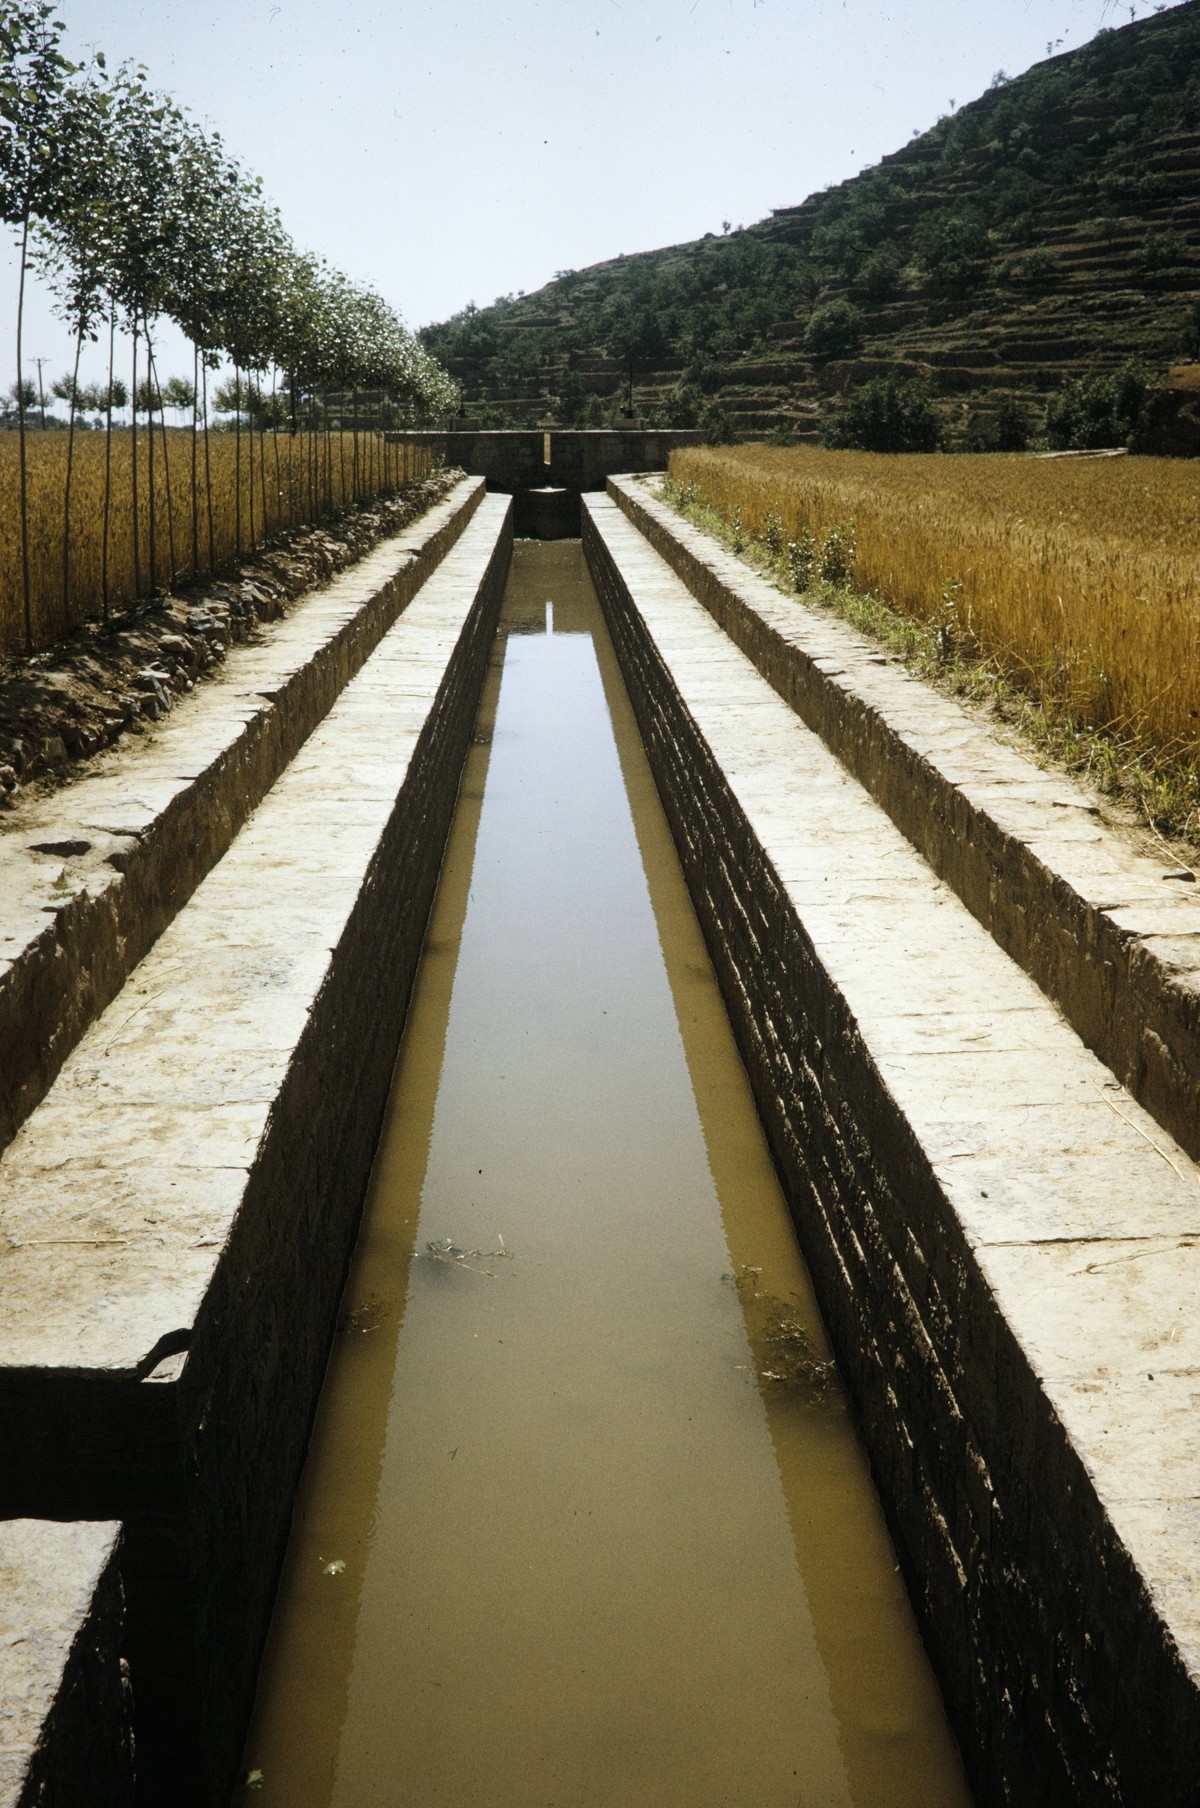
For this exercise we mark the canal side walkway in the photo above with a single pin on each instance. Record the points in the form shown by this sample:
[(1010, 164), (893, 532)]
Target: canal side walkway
[(1006, 1243), (198, 928)]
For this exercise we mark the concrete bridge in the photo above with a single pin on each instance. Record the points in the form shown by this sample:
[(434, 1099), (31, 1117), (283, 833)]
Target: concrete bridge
[(546, 471)]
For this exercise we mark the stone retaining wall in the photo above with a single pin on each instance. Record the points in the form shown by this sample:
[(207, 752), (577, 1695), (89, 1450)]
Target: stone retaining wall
[(579, 459)]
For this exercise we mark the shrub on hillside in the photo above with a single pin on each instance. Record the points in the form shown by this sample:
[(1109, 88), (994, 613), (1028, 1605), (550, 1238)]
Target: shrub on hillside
[(1091, 412), (1189, 338), (678, 408), (1036, 270), (952, 247), (835, 330), (878, 275), (888, 414), (716, 423)]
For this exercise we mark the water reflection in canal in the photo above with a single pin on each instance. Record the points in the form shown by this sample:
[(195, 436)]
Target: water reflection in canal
[(562, 1539)]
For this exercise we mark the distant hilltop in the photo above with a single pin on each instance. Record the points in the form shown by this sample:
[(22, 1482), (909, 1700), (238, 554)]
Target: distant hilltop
[(1047, 232)]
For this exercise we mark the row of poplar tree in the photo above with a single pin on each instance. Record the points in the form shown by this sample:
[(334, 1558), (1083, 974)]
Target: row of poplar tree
[(132, 213)]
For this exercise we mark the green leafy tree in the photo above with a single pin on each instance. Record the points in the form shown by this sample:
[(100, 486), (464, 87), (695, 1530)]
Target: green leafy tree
[(33, 76), (887, 414), (880, 273), (834, 330), (952, 248), (1093, 412)]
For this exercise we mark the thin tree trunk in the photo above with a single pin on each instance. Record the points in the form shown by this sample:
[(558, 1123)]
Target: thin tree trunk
[(67, 487), (250, 459), (195, 449), (150, 458), (275, 441), (237, 462), (212, 532), (329, 503), (137, 537), (155, 389), (25, 582), (292, 448), (309, 489), (112, 337), (262, 474)]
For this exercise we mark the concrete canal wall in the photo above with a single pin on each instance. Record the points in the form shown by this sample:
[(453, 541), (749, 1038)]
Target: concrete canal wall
[(65, 1731), (1108, 934), (179, 1208), (89, 878), (970, 1019), (1007, 1246)]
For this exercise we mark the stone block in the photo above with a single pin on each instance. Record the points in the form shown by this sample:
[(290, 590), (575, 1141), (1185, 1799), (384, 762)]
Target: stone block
[(65, 1734)]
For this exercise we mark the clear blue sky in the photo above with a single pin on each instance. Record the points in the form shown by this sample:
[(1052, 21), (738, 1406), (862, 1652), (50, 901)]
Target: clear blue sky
[(454, 150)]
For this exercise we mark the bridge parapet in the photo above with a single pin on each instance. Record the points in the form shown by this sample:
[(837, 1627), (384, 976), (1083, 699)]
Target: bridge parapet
[(573, 459)]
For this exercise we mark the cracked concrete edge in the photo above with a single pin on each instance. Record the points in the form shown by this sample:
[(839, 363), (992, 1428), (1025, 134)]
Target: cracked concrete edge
[(65, 1734), (1058, 1599), (89, 879), (1095, 924)]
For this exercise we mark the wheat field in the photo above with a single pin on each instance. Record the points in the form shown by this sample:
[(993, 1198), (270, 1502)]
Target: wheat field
[(258, 487), (1078, 577)]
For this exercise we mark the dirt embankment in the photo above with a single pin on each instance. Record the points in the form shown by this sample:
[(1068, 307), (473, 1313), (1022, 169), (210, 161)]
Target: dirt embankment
[(65, 704)]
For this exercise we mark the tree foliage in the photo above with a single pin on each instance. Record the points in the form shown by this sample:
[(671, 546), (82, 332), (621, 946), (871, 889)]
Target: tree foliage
[(134, 213), (1093, 412), (887, 414), (132, 205), (834, 330)]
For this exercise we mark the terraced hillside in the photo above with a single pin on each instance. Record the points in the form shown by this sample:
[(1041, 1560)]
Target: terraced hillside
[(1049, 229)]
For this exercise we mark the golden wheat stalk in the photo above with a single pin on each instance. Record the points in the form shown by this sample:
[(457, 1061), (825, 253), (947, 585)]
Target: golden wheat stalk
[(1079, 577), (267, 484)]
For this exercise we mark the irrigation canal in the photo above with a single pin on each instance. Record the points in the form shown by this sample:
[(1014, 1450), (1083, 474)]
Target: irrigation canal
[(585, 1519)]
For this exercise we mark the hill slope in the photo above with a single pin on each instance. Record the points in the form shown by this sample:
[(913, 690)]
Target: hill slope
[(1049, 229)]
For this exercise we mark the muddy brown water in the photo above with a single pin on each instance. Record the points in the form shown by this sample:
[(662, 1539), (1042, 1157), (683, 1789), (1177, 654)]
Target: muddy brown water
[(586, 1522)]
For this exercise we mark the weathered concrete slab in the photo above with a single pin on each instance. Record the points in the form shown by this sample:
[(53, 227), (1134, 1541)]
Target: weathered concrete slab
[(65, 1736), (1006, 1244), (89, 878), (177, 1214), (1114, 943)]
